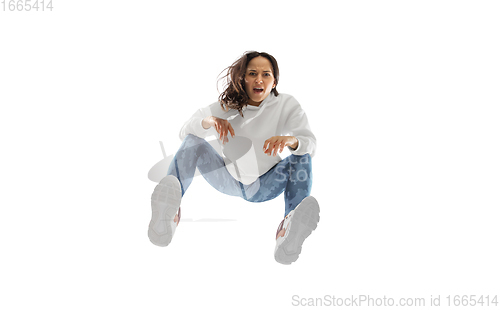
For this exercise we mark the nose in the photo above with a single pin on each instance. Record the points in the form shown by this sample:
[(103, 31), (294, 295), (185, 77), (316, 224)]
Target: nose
[(259, 79)]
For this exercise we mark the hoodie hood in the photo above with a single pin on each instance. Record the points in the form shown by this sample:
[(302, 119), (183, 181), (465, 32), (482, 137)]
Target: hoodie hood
[(271, 99)]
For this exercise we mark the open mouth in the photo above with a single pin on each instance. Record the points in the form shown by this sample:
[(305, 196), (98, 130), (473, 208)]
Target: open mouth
[(258, 90)]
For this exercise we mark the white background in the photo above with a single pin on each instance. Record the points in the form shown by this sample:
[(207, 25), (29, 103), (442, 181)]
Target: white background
[(403, 97)]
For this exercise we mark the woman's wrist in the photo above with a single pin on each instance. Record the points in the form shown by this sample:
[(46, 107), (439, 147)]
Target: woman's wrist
[(206, 122), (295, 143)]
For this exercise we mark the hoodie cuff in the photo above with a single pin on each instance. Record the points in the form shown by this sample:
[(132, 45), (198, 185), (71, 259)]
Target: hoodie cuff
[(198, 128), (297, 150)]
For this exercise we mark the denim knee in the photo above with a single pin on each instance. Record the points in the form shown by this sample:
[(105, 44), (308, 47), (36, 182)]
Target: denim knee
[(301, 159), (192, 137), (192, 141)]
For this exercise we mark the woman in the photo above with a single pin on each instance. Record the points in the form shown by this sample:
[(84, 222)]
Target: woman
[(253, 123)]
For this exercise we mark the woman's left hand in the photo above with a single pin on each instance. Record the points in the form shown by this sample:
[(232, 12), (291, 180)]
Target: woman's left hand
[(276, 144)]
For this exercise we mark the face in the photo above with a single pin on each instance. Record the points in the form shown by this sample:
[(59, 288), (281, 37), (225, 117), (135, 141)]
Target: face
[(259, 80)]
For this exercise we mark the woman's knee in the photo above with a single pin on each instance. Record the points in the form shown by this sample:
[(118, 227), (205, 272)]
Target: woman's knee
[(191, 137), (303, 160), (301, 170), (192, 141)]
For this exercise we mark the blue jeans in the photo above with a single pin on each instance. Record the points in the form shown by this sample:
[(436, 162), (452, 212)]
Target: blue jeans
[(293, 175)]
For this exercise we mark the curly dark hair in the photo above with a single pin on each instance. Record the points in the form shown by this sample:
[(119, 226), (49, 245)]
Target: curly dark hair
[(234, 96)]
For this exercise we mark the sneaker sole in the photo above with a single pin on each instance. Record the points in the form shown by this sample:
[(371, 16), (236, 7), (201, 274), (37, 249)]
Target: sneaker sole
[(165, 202), (305, 220)]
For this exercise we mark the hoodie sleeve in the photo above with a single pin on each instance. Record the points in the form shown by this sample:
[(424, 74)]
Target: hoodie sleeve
[(194, 126), (297, 125)]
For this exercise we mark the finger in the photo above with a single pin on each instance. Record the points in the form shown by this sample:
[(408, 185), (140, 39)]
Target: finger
[(282, 146), (231, 130), (225, 131), (219, 130), (227, 127), (279, 146), (272, 149), (216, 127), (267, 149), (276, 147), (266, 144)]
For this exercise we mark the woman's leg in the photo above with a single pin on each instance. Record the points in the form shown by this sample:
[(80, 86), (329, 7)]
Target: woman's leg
[(292, 175), (196, 152), (193, 153)]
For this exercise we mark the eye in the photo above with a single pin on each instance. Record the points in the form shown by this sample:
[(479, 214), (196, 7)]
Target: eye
[(268, 74), (251, 73)]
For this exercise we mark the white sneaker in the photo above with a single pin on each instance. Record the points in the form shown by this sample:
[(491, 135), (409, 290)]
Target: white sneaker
[(294, 229), (166, 213)]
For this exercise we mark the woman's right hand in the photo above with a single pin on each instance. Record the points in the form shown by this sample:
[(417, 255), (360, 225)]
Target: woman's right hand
[(222, 126)]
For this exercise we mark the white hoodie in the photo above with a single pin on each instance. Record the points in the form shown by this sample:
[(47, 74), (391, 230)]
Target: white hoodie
[(276, 116)]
